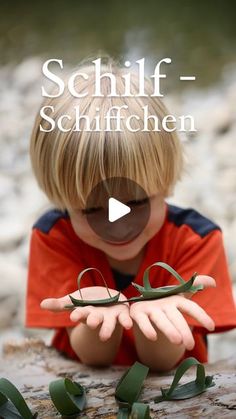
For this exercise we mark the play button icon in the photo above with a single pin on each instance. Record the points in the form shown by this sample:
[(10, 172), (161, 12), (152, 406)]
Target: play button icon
[(116, 210)]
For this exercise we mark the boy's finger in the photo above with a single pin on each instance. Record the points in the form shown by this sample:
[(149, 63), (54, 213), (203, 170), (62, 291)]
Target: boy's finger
[(194, 310), (107, 328), (125, 319), (145, 326), (205, 280), (182, 326), (163, 323), (55, 304), (94, 319), (80, 313)]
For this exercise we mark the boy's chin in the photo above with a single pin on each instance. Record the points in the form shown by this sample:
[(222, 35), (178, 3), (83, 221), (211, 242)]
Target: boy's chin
[(121, 253)]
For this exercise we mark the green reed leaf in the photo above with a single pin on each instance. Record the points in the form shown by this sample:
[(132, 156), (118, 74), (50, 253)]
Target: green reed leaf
[(128, 390), (162, 265), (83, 303), (68, 396), (12, 403), (161, 292), (191, 389), (146, 291)]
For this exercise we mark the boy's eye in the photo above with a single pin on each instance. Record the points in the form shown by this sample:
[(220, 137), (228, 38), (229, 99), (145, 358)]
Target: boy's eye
[(138, 202), (92, 210), (133, 203)]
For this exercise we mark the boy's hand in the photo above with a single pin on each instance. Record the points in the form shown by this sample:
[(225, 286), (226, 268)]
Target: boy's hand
[(166, 314), (106, 316)]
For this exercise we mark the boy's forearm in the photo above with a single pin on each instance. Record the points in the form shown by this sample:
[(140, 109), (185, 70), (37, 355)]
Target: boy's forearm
[(90, 349), (159, 355)]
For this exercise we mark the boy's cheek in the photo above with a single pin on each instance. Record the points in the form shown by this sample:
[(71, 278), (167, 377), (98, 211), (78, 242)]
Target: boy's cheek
[(82, 229), (155, 222)]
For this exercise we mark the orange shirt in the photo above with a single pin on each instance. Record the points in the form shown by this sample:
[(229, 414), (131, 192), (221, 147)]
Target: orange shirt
[(187, 241)]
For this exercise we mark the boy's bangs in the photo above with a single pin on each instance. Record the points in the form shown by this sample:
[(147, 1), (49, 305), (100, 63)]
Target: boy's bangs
[(112, 157), (69, 165)]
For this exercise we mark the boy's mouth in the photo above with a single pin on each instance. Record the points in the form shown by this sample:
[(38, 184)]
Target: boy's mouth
[(121, 243)]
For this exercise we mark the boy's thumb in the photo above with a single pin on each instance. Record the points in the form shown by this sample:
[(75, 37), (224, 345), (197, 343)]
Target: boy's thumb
[(205, 280)]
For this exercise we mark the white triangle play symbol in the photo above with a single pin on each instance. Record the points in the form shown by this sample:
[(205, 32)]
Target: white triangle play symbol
[(116, 209)]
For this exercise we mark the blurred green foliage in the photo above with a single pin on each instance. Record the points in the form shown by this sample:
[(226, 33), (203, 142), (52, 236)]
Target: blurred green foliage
[(199, 36)]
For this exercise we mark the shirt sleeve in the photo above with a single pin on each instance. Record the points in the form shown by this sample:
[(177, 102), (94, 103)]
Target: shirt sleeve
[(206, 256), (53, 269)]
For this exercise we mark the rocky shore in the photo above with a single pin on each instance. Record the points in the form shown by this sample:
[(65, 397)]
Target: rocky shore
[(209, 184), (31, 366)]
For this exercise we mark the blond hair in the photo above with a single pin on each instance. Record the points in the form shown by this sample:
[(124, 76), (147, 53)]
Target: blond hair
[(68, 165)]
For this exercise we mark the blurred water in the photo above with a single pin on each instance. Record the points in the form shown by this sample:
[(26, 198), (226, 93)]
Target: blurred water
[(200, 37)]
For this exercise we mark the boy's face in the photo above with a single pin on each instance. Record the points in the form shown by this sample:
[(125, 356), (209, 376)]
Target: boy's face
[(116, 250)]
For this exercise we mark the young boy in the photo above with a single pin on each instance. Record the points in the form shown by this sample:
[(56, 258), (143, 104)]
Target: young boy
[(68, 165)]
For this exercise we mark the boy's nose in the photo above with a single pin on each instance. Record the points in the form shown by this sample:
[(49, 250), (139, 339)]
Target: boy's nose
[(121, 230), (124, 229), (125, 192)]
